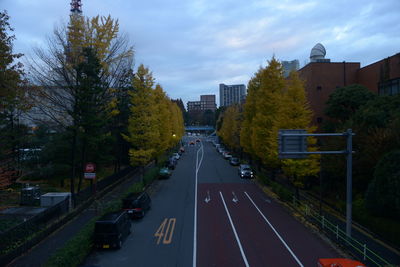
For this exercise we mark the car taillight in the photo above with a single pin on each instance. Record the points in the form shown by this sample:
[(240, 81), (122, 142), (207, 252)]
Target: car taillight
[(137, 209)]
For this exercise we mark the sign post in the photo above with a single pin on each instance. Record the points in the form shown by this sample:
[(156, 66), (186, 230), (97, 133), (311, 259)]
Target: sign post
[(292, 145), (90, 173)]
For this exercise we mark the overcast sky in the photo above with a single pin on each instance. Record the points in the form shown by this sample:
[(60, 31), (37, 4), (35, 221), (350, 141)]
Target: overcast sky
[(194, 45)]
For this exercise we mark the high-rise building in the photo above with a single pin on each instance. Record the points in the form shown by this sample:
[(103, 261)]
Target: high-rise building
[(289, 66), (231, 94), (207, 102)]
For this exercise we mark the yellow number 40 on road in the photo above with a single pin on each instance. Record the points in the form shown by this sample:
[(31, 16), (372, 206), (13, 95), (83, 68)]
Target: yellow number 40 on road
[(166, 230)]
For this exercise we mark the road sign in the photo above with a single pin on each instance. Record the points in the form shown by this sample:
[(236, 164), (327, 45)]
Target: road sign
[(90, 175), (288, 143), (90, 167)]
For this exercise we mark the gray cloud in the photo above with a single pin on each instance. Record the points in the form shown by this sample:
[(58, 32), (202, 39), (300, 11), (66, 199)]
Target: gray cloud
[(192, 46)]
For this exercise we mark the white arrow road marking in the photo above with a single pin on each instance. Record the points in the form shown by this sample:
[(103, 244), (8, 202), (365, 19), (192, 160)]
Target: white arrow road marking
[(235, 199), (234, 231), (208, 198)]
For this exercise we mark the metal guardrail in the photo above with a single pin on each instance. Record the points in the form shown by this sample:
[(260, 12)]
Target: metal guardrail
[(336, 234)]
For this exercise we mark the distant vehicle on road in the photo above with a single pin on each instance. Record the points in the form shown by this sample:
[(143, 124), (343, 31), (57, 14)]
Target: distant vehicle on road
[(191, 143), (197, 140), (245, 171), (234, 161), (164, 173), (339, 263), (111, 230), (172, 161), (136, 204), (182, 150), (227, 155)]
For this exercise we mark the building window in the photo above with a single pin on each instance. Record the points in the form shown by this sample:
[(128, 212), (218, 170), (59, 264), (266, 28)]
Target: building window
[(319, 120), (319, 88), (390, 87)]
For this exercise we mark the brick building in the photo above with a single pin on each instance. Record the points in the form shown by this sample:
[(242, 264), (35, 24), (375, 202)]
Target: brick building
[(207, 102), (322, 77)]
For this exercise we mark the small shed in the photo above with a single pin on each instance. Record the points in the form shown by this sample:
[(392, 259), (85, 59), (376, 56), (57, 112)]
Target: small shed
[(53, 198)]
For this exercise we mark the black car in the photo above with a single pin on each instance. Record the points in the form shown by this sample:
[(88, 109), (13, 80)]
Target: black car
[(245, 171), (171, 163), (112, 229), (136, 204), (234, 161)]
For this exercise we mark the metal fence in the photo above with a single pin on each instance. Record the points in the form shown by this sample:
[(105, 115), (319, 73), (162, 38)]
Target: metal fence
[(17, 234), (26, 234), (85, 194), (334, 229)]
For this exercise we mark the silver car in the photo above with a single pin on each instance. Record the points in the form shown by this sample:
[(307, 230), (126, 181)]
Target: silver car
[(245, 171)]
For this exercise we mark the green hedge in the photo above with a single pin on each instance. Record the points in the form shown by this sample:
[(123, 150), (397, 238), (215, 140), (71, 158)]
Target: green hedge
[(150, 175), (75, 250), (388, 229), (283, 193)]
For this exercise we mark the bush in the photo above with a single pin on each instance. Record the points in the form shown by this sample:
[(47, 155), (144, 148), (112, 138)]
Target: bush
[(388, 229), (264, 179), (150, 175), (382, 197), (75, 250)]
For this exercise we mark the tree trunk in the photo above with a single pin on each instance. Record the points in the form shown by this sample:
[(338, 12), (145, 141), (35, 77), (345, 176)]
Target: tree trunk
[(73, 166), (83, 160)]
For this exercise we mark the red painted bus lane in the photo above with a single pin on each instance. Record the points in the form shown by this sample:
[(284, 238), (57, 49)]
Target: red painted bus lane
[(216, 243)]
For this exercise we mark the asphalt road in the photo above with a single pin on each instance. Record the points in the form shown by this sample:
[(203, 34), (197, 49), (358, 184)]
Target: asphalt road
[(205, 215)]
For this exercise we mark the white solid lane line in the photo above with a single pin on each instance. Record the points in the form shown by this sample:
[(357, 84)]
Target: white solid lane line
[(276, 232), (198, 164), (234, 231)]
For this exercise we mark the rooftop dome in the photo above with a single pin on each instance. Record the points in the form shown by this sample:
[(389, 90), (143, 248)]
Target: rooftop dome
[(317, 52)]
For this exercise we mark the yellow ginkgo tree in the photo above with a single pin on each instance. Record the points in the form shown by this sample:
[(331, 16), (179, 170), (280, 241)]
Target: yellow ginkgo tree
[(268, 107), (142, 126), (230, 129), (296, 114)]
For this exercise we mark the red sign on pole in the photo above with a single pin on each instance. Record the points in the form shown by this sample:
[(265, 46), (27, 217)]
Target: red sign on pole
[(90, 167)]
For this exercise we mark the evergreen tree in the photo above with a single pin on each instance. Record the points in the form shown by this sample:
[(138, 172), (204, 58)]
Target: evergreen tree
[(12, 102)]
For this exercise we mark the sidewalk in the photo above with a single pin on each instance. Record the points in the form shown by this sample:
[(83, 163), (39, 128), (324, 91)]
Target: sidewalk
[(38, 255)]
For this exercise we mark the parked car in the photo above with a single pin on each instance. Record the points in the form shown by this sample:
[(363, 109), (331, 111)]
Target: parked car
[(171, 163), (227, 155), (164, 173), (112, 229), (339, 263), (234, 161), (245, 171), (221, 149), (136, 204), (176, 156)]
